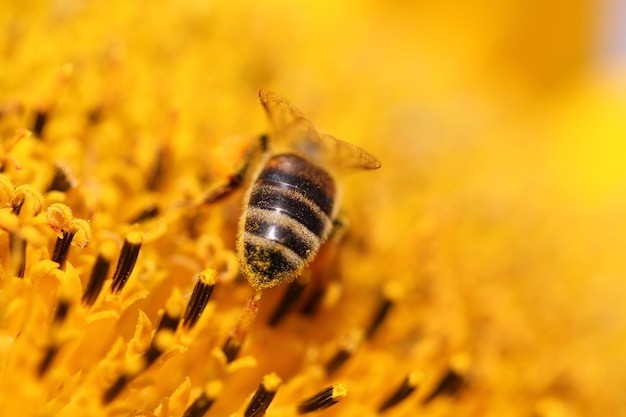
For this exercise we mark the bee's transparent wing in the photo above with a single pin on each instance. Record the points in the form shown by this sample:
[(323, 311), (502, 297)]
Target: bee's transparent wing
[(282, 114), (293, 129), (345, 155)]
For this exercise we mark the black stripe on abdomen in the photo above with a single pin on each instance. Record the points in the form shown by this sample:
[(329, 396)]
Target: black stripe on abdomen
[(291, 203), (309, 180), (275, 226), (308, 190)]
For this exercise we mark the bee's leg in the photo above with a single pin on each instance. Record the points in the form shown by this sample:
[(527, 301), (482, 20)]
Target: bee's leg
[(237, 179), (326, 285), (340, 227), (324, 270)]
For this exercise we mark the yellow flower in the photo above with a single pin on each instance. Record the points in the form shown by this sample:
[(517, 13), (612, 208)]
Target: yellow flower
[(481, 273)]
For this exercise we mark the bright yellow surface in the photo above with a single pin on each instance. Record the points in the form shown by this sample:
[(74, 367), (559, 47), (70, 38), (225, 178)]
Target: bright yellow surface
[(498, 214)]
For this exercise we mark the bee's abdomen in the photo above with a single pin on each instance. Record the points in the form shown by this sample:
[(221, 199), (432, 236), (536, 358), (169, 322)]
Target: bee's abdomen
[(287, 218)]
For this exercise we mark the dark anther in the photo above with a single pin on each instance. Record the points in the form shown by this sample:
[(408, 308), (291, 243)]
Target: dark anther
[(125, 265), (327, 397), (378, 317), (167, 323), (62, 249), (152, 354), (338, 360), (401, 393), (95, 115), (115, 389), (346, 349), (61, 312), (46, 362), (263, 396), (41, 118), (289, 300), (231, 349), (450, 385), (263, 141), (61, 180), (235, 340), (96, 281), (156, 176), (312, 303), (200, 406), (198, 302), (147, 213)]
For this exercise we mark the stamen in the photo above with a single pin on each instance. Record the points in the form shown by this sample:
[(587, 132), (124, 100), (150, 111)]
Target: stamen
[(153, 352), (405, 389), (115, 389), (203, 403), (61, 180), (20, 197), (95, 114), (233, 344), (163, 337), (200, 406), (46, 362), (449, 385), (60, 315), (156, 176), (391, 292), (163, 155), (62, 221), (164, 333), (169, 321), (148, 213), (263, 396), (27, 194), (231, 348), (62, 248), (64, 241), (61, 312), (339, 359), (290, 298), (453, 380), (327, 397), (96, 281), (348, 346), (312, 303), (41, 119), (126, 262), (59, 217), (199, 297), (42, 113), (378, 317), (17, 206)]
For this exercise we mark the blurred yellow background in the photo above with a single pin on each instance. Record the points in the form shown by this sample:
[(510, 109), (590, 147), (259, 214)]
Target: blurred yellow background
[(500, 127)]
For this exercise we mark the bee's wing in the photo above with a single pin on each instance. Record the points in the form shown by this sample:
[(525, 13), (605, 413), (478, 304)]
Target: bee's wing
[(292, 128), (282, 114), (345, 155)]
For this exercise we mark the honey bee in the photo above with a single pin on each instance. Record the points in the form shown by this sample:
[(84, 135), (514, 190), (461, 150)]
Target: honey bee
[(291, 201)]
